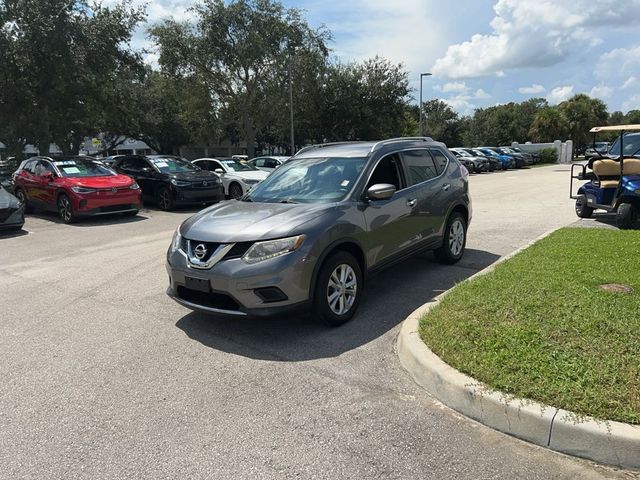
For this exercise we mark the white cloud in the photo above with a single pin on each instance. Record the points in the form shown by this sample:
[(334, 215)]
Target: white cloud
[(461, 104), (633, 103), (481, 94), (619, 61), (452, 87), (601, 91), (534, 33), (629, 82), (560, 94), (532, 90)]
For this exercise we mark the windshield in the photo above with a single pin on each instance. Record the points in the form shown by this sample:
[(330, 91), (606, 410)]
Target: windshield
[(631, 145), (463, 153), (173, 165), (82, 167), (236, 166), (309, 180)]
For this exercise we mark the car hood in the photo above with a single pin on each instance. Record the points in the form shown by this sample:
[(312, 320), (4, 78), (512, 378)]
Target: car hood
[(197, 176), (112, 181), (7, 200), (253, 175), (236, 221)]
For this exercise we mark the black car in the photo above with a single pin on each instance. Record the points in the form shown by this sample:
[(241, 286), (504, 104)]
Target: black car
[(494, 163), (170, 180), (11, 211)]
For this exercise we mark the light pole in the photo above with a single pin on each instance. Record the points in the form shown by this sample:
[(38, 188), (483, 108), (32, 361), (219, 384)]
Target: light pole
[(421, 76), (293, 143)]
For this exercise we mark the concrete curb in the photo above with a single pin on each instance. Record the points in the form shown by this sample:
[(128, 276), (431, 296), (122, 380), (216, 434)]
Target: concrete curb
[(607, 442)]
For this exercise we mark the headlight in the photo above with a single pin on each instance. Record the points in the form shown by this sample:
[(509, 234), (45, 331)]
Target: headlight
[(135, 186), (177, 239), (83, 190), (180, 183), (260, 251), (251, 182)]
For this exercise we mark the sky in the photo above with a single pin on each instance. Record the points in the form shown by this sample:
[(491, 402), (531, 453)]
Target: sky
[(482, 52)]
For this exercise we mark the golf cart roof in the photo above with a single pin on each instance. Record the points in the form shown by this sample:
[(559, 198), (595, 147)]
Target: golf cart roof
[(617, 128)]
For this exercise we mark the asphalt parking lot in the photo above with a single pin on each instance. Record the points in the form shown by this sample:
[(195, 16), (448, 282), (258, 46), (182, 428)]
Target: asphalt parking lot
[(103, 376)]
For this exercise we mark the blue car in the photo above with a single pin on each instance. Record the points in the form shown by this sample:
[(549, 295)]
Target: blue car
[(507, 161), (614, 179)]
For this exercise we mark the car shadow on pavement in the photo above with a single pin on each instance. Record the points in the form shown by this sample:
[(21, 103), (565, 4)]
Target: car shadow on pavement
[(11, 233), (598, 220), (97, 221), (389, 298)]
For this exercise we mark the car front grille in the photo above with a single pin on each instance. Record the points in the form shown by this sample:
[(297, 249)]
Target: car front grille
[(219, 301)]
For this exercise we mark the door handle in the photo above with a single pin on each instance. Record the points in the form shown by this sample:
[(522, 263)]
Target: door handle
[(446, 186), (412, 202)]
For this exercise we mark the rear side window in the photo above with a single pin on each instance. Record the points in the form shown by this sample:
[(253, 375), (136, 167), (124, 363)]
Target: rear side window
[(419, 165), (440, 159)]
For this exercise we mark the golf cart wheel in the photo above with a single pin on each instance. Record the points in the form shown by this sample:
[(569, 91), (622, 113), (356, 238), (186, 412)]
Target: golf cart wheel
[(338, 289), (65, 209), (582, 209), (164, 199), (235, 191), (627, 216), (454, 241), (22, 198)]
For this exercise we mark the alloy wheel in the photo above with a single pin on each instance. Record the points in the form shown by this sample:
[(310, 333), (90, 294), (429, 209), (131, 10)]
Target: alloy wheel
[(66, 210), (342, 289), (164, 199), (456, 237)]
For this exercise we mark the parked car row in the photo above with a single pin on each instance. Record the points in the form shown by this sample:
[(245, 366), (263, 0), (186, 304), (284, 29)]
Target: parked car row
[(489, 159)]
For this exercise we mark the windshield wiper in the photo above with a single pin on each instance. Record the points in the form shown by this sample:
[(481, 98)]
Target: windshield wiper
[(288, 200)]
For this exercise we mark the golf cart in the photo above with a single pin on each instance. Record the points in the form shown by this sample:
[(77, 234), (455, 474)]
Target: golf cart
[(613, 180)]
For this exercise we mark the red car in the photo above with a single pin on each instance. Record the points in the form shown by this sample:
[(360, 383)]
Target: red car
[(75, 187)]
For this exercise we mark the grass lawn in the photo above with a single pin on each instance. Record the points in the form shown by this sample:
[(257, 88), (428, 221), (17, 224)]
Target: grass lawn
[(539, 327)]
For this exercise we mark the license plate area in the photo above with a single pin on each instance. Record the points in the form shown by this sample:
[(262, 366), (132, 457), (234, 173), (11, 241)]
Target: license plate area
[(197, 284)]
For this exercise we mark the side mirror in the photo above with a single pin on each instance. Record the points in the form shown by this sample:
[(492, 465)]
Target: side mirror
[(219, 171), (146, 169), (47, 176), (381, 191)]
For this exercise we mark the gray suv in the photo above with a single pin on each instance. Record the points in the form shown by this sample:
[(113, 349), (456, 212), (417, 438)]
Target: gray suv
[(309, 235)]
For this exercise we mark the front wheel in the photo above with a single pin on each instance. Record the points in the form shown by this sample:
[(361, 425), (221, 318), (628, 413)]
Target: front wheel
[(627, 216), (164, 198), (338, 289), (65, 209), (455, 240), (22, 198), (235, 191), (582, 209)]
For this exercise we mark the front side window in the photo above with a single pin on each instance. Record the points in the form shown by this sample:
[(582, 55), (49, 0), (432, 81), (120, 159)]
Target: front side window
[(82, 167), (173, 165), (43, 166), (309, 180), (420, 166), (388, 171), (631, 145)]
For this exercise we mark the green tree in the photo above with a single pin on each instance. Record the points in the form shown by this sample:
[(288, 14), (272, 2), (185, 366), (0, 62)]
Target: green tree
[(583, 113), (61, 60), (441, 122), (238, 48), (549, 125)]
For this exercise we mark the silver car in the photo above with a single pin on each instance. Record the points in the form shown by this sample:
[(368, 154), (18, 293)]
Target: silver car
[(308, 236), (237, 177)]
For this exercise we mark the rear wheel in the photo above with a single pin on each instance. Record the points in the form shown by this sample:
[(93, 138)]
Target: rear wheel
[(65, 209), (627, 216), (164, 199), (582, 209), (338, 289), (235, 191), (455, 240)]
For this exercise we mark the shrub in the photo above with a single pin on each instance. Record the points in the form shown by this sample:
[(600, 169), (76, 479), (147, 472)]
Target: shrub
[(548, 155)]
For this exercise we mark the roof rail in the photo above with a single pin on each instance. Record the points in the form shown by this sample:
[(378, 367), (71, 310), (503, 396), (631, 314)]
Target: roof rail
[(324, 145), (377, 145)]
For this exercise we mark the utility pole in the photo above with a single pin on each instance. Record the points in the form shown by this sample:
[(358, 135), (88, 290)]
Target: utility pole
[(422, 75)]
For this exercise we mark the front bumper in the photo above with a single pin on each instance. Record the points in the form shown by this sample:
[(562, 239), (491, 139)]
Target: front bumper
[(201, 195), (105, 202), (12, 218), (235, 288)]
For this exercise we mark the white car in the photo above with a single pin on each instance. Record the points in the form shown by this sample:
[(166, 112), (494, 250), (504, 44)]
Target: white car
[(237, 178), (268, 164)]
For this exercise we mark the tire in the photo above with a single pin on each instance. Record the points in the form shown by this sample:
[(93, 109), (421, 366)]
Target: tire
[(65, 209), (164, 199), (22, 197), (582, 209), (235, 191), (338, 271), (626, 216), (454, 241)]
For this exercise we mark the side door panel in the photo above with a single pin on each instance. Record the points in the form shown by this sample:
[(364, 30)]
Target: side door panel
[(448, 189)]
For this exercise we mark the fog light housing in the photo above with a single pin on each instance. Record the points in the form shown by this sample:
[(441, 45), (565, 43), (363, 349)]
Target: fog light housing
[(83, 203), (270, 294)]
